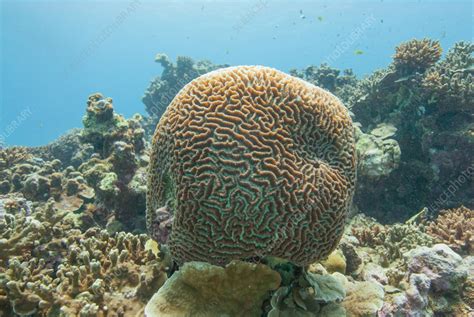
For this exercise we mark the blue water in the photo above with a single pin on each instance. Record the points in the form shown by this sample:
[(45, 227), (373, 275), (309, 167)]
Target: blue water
[(55, 53)]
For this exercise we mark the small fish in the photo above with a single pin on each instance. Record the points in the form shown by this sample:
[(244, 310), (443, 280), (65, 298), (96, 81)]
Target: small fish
[(381, 20), (320, 18), (41, 125), (302, 16), (358, 52)]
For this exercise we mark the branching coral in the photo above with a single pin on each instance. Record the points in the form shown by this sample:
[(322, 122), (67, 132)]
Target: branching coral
[(450, 85), (391, 242), (417, 55), (12, 156), (454, 227), (48, 266), (252, 162)]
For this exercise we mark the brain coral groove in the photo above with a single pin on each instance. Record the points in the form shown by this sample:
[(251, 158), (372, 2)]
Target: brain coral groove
[(252, 162)]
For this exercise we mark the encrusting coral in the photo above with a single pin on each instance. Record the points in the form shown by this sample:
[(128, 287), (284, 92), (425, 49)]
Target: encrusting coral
[(252, 162), (378, 153), (204, 290), (454, 227)]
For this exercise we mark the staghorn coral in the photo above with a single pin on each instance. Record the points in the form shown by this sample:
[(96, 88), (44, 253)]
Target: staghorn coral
[(47, 266), (417, 55), (252, 162), (454, 227), (201, 289)]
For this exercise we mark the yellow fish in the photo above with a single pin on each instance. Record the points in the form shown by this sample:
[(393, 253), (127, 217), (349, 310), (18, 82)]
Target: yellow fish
[(358, 52)]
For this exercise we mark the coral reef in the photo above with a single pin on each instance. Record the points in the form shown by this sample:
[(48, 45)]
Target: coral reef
[(317, 293), (390, 242), (342, 85), (378, 154), (454, 227), (311, 294), (99, 172), (67, 148), (261, 164), (430, 105), (416, 55), (164, 88), (12, 156), (435, 277), (72, 212), (202, 289), (103, 127), (47, 267)]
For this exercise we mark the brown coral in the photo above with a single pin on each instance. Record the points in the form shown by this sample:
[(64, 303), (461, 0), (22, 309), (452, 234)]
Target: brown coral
[(450, 83), (12, 156), (252, 162), (47, 266), (454, 227), (417, 55)]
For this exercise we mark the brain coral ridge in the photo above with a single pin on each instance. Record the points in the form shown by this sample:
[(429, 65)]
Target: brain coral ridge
[(252, 162)]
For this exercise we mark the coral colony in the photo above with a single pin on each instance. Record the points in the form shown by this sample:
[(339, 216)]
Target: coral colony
[(237, 196)]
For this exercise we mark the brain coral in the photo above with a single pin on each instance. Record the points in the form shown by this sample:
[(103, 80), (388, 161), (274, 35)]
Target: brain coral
[(252, 162)]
